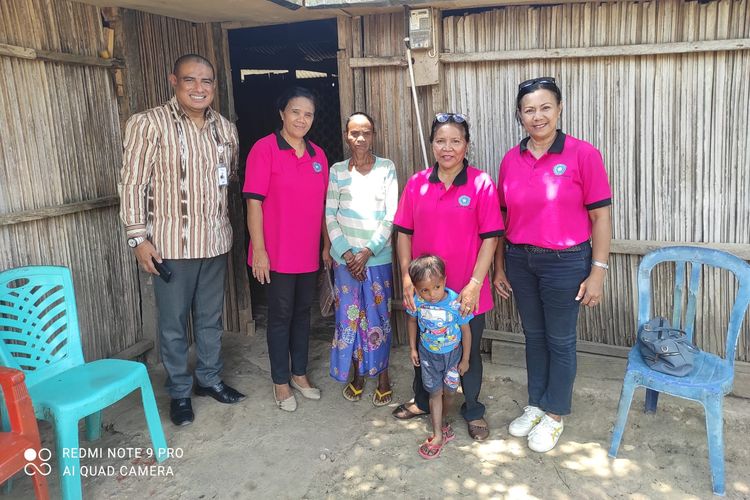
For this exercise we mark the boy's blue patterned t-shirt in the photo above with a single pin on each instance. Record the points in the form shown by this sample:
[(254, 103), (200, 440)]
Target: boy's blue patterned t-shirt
[(440, 323)]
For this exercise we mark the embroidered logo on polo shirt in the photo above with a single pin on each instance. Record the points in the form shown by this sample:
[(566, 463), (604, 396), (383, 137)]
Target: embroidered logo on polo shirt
[(317, 167), (559, 169), (464, 200)]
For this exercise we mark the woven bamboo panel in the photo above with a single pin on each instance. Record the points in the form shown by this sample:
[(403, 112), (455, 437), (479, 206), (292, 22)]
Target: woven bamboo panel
[(60, 143), (672, 129), (389, 100)]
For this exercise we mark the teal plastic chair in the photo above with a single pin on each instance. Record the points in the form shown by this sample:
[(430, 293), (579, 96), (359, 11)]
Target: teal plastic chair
[(39, 335), (712, 376)]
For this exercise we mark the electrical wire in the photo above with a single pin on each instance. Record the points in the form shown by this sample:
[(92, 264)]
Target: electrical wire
[(407, 42)]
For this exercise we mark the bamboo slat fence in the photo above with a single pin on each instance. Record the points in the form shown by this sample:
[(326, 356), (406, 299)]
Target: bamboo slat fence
[(60, 153), (397, 134), (672, 129), (672, 126)]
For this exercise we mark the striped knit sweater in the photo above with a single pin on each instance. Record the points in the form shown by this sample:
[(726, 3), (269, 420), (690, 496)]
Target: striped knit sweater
[(360, 209)]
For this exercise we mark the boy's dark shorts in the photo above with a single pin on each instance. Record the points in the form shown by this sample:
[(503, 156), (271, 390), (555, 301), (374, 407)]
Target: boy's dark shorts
[(439, 370)]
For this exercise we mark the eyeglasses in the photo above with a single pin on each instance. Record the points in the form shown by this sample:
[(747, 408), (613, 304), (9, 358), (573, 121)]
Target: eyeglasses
[(534, 81), (450, 117)]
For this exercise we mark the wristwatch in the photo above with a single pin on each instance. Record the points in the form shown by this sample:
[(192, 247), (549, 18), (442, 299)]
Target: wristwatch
[(134, 242)]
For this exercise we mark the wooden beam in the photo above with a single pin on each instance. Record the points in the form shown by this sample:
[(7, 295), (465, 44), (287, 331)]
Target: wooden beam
[(66, 209), (135, 350), (358, 74), (61, 57), (14, 51), (646, 49), (346, 78), (642, 247), (600, 357), (375, 62), (438, 91), (581, 345)]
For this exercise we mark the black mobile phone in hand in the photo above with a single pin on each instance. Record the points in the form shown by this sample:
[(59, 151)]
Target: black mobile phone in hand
[(164, 272)]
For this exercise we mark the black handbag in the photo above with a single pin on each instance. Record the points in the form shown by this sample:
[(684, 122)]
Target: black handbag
[(666, 349)]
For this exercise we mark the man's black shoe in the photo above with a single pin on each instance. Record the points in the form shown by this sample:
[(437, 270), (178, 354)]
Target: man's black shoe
[(181, 411), (221, 392)]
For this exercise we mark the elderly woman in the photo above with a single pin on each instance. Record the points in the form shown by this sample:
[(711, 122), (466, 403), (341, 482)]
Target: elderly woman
[(361, 202), (285, 187), (556, 198), (452, 210)]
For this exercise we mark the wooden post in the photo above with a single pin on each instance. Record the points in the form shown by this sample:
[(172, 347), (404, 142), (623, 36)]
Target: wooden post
[(132, 101), (346, 78), (438, 96), (239, 285), (360, 98)]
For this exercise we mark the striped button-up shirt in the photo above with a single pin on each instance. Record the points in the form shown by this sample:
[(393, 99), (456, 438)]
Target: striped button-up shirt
[(177, 203)]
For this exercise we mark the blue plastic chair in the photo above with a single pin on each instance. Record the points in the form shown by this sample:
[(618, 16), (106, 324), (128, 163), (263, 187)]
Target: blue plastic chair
[(712, 376), (39, 335)]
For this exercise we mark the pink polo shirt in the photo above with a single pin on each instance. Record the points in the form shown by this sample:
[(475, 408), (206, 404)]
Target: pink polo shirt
[(451, 223), (548, 200), (293, 192)]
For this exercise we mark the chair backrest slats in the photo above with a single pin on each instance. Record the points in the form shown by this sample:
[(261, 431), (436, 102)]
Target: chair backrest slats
[(39, 322), (693, 289), (697, 257), (679, 288), (737, 316)]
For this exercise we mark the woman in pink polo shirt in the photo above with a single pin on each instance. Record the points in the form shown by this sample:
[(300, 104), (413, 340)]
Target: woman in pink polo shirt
[(451, 210), (556, 197), (285, 186)]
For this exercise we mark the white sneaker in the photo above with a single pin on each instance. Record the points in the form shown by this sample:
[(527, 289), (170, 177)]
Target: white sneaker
[(521, 426), (545, 435)]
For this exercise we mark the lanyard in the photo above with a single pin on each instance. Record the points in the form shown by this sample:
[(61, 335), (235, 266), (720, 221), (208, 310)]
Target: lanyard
[(183, 142)]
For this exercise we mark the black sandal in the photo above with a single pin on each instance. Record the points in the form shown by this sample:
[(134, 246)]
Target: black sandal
[(403, 413)]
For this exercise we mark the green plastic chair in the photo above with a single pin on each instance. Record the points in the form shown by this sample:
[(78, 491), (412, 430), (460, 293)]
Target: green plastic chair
[(39, 335)]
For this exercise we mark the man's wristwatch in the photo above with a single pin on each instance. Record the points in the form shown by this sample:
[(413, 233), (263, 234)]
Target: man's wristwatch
[(134, 242)]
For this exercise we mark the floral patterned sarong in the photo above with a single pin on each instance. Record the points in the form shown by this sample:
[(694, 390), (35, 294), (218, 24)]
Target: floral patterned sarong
[(363, 326)]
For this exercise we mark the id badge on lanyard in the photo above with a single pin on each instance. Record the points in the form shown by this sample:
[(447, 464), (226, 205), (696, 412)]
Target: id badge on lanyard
[(222, 172)]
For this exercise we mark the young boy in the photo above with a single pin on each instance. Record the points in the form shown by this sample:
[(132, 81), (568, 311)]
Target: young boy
[(444, 346)]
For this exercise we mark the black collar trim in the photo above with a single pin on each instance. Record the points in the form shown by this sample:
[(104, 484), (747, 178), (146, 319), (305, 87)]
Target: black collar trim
[(281, 142), (556, 147), (461, 179)]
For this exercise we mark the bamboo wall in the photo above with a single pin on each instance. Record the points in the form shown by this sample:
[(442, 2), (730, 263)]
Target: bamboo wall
[(63, 105), (60, 144), (383, 93), (673, 128)]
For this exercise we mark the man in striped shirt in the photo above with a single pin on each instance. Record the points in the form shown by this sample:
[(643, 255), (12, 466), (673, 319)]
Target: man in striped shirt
[(173, 191)]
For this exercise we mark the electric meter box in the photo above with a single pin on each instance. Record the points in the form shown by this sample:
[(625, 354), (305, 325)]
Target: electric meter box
[(420, 28)]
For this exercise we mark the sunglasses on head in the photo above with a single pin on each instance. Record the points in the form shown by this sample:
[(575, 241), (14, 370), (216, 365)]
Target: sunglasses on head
[(534, 81), (450, 117)]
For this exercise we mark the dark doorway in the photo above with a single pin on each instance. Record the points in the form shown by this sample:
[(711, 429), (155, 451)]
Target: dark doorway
[(269, 59)]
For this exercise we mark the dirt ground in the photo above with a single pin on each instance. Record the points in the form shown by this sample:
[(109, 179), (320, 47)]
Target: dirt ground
[(337, 449)]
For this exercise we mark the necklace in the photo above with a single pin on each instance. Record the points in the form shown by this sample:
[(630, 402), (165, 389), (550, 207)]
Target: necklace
[(541, 148), (369, 161)]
